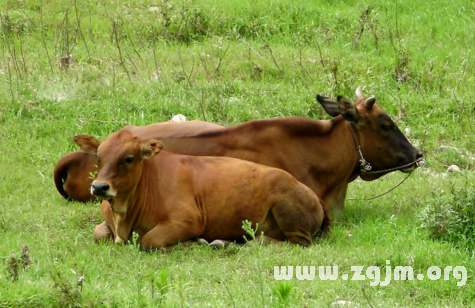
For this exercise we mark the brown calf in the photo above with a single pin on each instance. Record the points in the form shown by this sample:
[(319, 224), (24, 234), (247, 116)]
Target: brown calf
[(170, 198)]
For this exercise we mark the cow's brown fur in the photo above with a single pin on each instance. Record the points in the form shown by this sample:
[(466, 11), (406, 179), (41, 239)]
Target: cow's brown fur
[(72, 174), (322, 154), (168, 198)]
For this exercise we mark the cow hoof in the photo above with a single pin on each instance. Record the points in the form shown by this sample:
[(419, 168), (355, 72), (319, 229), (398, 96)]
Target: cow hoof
[(202, 242), (218, 244)]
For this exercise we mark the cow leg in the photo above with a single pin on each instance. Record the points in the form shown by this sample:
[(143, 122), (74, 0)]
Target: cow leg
[(300, 219), (170, 233), (103, 233), (335, 200)]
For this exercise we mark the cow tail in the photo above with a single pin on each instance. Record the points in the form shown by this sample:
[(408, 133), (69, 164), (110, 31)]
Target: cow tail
[(327, 222), (60, 176)]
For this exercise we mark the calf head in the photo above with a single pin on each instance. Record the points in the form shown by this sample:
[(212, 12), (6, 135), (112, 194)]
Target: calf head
[(382, 144), (120, 158)]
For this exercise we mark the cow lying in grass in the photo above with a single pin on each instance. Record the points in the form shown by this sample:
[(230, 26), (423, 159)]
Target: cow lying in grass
[(325, 155), (168, 198)]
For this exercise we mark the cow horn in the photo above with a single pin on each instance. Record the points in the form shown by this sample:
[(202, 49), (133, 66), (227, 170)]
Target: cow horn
[(368, 104), (359, 92)]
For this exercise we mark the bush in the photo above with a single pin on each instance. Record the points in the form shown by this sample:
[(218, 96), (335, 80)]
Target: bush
[(450, 216)]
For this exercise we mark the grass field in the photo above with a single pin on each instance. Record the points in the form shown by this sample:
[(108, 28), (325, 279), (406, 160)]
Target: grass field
[(140, 62)]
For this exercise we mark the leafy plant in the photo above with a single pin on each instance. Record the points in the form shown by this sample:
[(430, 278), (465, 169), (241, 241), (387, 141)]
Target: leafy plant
[(282, 290), (450, 216), (159, 284)]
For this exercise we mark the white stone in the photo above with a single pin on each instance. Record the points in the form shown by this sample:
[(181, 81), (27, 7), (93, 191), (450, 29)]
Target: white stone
[(444, 148), (453, 168)]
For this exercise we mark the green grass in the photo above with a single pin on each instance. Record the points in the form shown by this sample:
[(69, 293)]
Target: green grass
[(229, 62)]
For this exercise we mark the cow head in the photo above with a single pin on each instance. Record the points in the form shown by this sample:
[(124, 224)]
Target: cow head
[(120, 157), (382, 143)]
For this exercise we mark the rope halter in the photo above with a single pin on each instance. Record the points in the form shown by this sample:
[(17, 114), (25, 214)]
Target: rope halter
[(365, 166)]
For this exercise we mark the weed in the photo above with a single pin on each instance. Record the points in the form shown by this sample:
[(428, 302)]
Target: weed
[(12, 267), (134, 63), (282, 290), (15, 263), (247, 226), (450, 216), (68, 294), (159, 285)]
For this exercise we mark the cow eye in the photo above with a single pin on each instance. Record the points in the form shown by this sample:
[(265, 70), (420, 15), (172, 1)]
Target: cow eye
[(386, 127), (129, 159)]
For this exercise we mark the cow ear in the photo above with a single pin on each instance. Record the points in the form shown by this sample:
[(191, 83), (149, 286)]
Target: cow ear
[(87, 142), (348, 109), (151, 148), (330, 106)]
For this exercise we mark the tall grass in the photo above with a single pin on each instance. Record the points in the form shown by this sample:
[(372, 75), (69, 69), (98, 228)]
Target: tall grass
[(138, 62)]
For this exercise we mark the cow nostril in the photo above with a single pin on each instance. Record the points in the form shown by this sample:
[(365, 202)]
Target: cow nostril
[(100, 186), (419, 155)]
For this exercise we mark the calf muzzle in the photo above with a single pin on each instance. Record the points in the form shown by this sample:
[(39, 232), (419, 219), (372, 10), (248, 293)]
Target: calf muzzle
[(100, 189)]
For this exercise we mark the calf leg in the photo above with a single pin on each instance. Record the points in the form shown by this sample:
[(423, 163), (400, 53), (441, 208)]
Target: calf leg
[(103, 232), (170, 233)]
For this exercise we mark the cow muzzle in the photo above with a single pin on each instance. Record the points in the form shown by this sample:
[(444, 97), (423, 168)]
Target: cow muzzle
[(102, 190), (419, 162)]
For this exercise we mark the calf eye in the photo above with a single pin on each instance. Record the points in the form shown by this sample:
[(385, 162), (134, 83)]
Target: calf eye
[(386, 127), (129, 159)]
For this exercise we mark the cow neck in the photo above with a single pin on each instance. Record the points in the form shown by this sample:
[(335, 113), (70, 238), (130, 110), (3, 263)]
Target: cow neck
[(332, 162), (142, 205), (125, 221), (339, 153)]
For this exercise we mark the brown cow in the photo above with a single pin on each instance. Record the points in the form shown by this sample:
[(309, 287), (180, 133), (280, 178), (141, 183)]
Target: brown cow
[(72, 174), (170, 198), (322, 154)]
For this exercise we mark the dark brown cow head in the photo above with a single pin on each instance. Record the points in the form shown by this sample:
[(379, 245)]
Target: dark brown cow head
[(382, 143), (120, 166)]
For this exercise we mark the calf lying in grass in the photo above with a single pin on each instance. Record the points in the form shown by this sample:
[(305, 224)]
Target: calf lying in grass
[(170, 198)]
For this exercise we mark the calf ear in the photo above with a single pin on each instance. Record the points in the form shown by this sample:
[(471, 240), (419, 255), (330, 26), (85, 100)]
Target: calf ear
[(348, 109), (87, 142), (151, 148), (330, 106)]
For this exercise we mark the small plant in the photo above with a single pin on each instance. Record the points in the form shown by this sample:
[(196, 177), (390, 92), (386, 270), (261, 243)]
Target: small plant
[(69, 294), (14, 263), (12, 267), (93, 175), (134, 243), (450, 216), (247, 226), (159, 285), (282, 291)]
